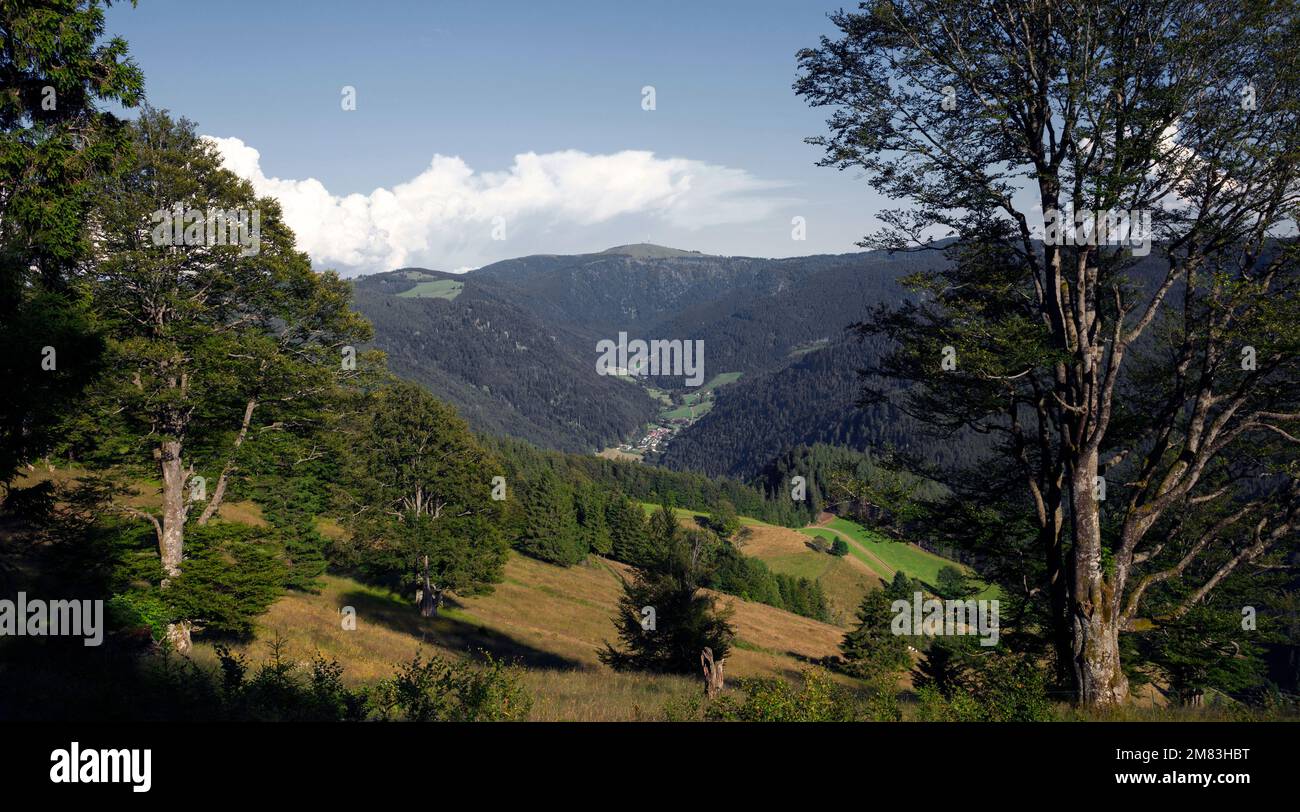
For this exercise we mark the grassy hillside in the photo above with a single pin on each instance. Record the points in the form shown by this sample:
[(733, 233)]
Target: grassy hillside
[(872, 558), (878, 551), (845, 580), (786, 551), (550, 619), (434, 289)]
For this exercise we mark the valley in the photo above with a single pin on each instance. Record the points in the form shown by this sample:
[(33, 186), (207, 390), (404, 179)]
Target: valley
[(513, 346), (685, 363), (678, 411)]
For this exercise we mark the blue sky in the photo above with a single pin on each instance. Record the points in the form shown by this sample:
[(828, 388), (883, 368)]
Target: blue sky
[(719, 165)]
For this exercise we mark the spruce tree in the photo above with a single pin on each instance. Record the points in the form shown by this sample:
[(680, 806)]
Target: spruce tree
[(592, 509), (872, 649), (551, 532), (665, 619), (629, 534)]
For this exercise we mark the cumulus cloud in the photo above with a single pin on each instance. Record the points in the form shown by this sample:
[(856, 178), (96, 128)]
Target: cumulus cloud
[(446, 216)]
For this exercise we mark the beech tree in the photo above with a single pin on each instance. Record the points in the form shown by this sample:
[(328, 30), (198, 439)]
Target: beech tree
[(1163, 385), (423, 518), (57, 71), (204, 329)]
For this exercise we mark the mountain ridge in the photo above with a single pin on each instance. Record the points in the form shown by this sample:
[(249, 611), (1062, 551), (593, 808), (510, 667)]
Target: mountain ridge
[(514, 347)]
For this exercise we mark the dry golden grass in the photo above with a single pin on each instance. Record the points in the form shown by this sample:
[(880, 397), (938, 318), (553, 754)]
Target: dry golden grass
[(552, 620), (243, 512), (604, 695), (615, 453), (844, 579), (143, 495), (786, 642), (770, 541)]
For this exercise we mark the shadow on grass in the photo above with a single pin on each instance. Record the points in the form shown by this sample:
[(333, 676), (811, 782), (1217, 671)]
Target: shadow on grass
[(454, 633)]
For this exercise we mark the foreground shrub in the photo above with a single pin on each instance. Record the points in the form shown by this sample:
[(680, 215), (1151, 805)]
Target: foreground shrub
[(432, 689), (817, 698), (439, 690), (1002, 688)]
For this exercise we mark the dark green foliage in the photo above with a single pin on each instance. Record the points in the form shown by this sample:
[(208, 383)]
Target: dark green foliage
[(506, 368), (140, 609), (514, 348), (648, 483), (550, 527), (294, 478), (1004, 688), (629, 534), (56, 72), (729, 571), (949, 664), (592, 506), (279, 690), (872, 649), (51, 683), (232, 574), (424, 517), (440, 690), (744, 576), (1205, 649), (423, 690), (662, 529), (1084, 361), (803, 596), (839, 547), (952, 584), (723, 520), (808, 403), (903, 588), (817, 698), (684, 618)]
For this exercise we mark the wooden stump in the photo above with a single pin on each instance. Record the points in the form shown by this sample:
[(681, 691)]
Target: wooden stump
[(713, 678)]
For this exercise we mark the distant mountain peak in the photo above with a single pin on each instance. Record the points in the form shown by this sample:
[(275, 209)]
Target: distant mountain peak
[(646, 250)]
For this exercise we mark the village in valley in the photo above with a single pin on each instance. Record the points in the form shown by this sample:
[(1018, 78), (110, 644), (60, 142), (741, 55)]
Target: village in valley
[(679, 410)]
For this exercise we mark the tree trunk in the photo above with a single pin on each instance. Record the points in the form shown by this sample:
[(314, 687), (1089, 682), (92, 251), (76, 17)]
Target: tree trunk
[(171, 540), (1099, 679), (430, 597), (178, 636), (1058, 599)]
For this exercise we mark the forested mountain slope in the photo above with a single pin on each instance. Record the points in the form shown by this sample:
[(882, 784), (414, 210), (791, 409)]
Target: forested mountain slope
[(504, 369), (512, 345)]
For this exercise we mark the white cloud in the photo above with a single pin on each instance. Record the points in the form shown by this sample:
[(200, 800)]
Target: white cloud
[(444, 217)]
